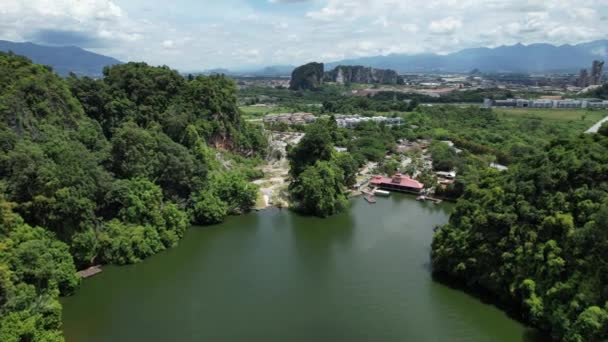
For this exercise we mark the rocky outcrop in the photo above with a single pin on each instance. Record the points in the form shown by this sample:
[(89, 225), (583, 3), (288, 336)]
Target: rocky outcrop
[(307, 77), (346, 74)]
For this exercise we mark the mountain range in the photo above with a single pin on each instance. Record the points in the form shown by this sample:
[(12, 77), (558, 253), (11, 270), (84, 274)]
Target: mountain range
[(533, 58), (508, 59), (63, 59)]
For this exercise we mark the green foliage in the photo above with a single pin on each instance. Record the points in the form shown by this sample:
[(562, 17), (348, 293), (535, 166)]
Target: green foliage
[(536, 237), (230, 193), (128, 243), (319, 173), (234, 190), (319, 190), (138, 152), (365, 104), (444, 157), (35, 268), (604, 129), (208, 208), (102, 171), (371, 141), (139, 206), (349, 166), (315, 145)]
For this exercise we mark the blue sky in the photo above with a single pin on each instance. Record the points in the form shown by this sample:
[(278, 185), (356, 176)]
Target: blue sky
[(195, 35)]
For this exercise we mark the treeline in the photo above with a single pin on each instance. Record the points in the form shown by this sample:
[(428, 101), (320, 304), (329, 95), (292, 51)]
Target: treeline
[(465, 96), (535, 238), (600, 93), (368, 104), (107, 171)]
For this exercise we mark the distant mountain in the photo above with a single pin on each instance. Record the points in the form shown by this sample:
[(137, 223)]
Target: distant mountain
[(269, 71), (63, 59), (514, 58)]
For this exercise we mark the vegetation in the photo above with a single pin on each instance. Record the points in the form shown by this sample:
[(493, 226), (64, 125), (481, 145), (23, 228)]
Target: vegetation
[(319, 173), (485, 131), (603, 129), (107, 171), (586, 116), (35, 268), (600, 93), (535, 237)]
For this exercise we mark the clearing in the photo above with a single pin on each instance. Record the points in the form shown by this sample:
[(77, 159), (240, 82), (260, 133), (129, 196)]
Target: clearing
[(589, 116)]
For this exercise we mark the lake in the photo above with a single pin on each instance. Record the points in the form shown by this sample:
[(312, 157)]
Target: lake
[(276, 276)]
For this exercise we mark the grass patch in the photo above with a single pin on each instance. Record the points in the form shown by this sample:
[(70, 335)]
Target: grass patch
[(582, 115), (255, 112)]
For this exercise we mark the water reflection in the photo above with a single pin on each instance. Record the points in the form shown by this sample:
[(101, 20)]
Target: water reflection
[(316, 240)]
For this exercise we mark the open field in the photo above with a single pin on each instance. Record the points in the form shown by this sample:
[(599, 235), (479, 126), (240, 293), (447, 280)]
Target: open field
[(253, 112), (584, 115)]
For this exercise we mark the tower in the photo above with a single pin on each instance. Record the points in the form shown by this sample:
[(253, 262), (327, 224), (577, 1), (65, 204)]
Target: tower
[(596, 72)]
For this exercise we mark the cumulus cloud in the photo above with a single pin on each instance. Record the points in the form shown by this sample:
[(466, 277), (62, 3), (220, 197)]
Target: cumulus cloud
[(240, 33), (445, 26)]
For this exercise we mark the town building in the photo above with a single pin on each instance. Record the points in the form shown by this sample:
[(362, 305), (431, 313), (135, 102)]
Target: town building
[(547, 103), (352, 121), (290, 118)]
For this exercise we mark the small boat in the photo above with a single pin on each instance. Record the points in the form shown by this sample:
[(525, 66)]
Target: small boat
[(421, 198), (382, 193), (370, 199)]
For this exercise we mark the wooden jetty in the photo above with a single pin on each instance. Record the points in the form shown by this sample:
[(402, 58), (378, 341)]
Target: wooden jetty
[(89, 272), (382, 193), (427, 198)]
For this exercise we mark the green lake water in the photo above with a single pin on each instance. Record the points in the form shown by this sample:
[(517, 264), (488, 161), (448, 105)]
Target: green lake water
[(275, 276)]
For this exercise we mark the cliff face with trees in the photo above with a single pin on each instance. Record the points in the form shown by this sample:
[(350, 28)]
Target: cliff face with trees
[(106, 171), (536, 238), (347, 74), (311, 76), (307, 77)]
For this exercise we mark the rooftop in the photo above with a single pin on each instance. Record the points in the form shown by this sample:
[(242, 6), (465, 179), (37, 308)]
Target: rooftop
[(398, 180)]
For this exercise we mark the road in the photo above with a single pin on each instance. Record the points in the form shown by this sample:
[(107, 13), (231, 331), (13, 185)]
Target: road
[(597, 126)]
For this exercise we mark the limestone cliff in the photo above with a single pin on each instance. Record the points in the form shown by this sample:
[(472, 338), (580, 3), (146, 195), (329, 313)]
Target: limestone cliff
[(346, 74), (307, 77)]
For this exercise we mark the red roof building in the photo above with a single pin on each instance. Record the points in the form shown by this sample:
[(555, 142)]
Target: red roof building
[(398, 182)]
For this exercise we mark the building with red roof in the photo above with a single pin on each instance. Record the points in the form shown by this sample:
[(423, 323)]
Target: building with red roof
[(398, 182)]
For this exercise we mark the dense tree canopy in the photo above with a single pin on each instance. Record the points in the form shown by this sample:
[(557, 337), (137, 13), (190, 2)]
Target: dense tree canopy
[(35, 268), (315, 145), (319, 173), (537, 236), (319, 190), (106, 171)]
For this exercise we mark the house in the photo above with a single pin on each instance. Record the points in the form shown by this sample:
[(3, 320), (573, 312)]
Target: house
[(398, 182)]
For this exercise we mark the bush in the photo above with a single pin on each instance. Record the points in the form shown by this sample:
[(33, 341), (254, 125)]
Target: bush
[(208, 208)]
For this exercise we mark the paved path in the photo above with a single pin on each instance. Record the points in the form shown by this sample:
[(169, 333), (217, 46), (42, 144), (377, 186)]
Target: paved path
[(597, 126)]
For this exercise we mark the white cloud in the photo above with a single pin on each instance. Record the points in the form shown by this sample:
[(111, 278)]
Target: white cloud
[(445, 26), (195, 35), (410, 28)]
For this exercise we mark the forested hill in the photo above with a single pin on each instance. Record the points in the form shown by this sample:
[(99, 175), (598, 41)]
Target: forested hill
[(536, 238), (106, 171), (63, 59)]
